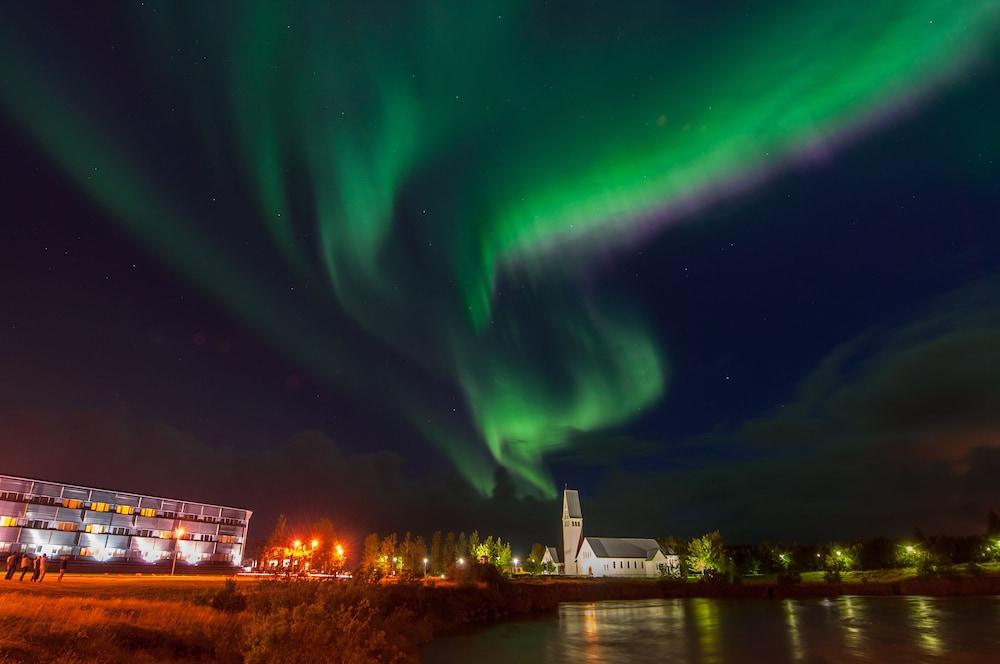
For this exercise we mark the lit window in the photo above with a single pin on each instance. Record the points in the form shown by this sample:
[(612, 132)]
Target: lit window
[(100, 507), (72, 503), (147, 511), (8, 521), (125, 509)]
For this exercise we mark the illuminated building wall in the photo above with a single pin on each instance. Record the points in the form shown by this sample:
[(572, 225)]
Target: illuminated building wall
[(101, 525)]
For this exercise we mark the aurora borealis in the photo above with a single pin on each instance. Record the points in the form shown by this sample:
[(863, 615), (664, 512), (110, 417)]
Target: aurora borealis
[(420, 206)]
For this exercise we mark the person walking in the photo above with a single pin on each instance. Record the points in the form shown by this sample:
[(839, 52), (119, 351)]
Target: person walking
[(43, 566), (25, 565), (12, 560), (63, 564), (35, 568)]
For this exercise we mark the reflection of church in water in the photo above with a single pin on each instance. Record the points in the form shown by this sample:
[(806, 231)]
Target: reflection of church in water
[(605, 556)]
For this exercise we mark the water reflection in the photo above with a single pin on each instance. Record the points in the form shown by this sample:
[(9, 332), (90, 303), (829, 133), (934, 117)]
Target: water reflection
[(923, 617), (845, 629), (791, 619)]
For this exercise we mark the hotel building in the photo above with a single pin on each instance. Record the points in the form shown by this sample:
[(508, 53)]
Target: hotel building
[(114, 526)]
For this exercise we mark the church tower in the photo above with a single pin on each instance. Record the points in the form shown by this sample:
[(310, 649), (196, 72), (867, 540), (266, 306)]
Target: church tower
[(572, 522)]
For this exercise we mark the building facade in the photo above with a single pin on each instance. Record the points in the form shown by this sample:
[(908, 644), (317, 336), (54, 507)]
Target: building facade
[(607, 556), (39, 517)]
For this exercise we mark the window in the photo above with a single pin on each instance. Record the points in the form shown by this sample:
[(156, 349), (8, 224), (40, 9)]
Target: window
[(8, 521), (147, 511), (125, 509), (72, 503), (613, 564), (95, 528), (87, 552), (62, 525), (100, 507)]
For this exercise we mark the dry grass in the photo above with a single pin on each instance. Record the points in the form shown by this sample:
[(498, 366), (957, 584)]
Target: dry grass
[(50, 628)]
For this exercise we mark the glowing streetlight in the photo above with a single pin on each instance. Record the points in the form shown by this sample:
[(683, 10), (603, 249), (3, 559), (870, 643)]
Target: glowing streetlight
[(425, 567), (461, 561), (909, 548), (297, 543), (516, 561), (838, 553), (315, 543), (340, 550), (178, 533)]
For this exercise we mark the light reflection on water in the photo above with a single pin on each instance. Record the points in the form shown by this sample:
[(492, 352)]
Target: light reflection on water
[(711, 631)]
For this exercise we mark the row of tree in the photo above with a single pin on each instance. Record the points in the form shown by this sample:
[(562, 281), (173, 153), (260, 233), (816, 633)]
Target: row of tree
[(709, 555), (412, 557)]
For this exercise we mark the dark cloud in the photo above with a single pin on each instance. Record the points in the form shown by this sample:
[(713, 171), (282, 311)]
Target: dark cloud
[(305, 477), (894, 429)]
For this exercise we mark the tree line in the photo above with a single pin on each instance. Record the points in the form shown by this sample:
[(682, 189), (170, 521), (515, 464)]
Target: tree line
[(411, 556)]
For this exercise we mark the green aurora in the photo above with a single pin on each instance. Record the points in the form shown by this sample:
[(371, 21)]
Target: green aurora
[(441, 176)]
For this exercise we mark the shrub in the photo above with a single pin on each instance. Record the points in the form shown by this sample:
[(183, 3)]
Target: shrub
[(927, 567), (832, 576)]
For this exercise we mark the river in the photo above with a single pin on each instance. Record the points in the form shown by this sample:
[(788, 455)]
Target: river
[(843, 629)]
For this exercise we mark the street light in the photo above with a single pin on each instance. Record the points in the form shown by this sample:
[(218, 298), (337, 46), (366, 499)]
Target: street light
[(425, 567), (461, 561), (177, 535), (315, 543), (297, 543), (516, 561)]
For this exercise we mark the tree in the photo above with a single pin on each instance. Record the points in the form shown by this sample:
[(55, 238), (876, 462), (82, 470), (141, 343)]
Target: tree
[(461, 544), (438, 564), (449, 550), (370, 552), (387, 554), (485, 552), (325, 557), (419, 551), (473, 543), (502, 555), (707, 552), (279, 536)]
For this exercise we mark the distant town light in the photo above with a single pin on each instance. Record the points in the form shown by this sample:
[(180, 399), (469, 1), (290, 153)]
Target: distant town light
[(180, 532), (340, 550), (909, 548), (315, 543), (425, 561), (297, 543), (461, 561)]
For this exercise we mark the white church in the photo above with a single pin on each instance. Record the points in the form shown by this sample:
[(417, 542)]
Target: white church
[(605, 556)]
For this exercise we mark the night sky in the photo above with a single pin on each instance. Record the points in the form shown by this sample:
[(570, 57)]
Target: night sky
[(734, 269)]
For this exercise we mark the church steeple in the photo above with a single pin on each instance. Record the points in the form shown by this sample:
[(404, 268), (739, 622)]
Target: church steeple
[(572, 522)]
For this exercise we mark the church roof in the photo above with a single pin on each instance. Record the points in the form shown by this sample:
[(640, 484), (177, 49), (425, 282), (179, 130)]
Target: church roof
[(554, 553), (572, 499), (624, 547)]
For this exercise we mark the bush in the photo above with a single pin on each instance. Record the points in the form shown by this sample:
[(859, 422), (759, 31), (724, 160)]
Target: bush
[(927, 567), (227, 598), (832, 576), (973, 569)]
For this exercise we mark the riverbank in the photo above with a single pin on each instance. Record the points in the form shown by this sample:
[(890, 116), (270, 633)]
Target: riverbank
[(160, 619)]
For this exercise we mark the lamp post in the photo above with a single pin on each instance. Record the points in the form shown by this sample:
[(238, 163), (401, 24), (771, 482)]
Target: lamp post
[(178, 533), (425, 567), (516, 561)]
